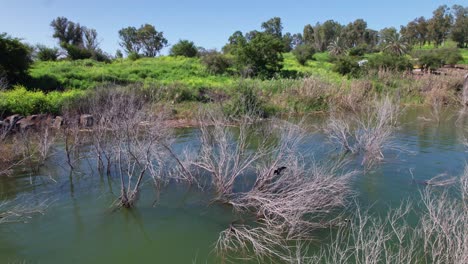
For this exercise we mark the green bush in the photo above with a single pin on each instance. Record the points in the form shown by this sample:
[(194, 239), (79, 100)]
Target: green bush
[(24, 102), (303, 53), (216, 62), (15, 59), (184, 48), (45, 53), (347, 65), (388, 61), (77, 53), (359, 50), (133, 56), (246, 101), (436, 58)]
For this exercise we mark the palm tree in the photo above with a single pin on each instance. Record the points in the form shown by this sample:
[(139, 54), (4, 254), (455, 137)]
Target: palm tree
[(337, 47), (396, 44)]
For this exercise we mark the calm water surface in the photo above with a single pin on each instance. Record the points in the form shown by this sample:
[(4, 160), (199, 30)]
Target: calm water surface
[(177, 225)]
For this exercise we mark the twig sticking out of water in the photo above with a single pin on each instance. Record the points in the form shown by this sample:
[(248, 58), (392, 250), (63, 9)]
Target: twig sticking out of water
[(12, 211)]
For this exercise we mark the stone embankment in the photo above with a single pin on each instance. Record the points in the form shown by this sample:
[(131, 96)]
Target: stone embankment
[(16, 123)]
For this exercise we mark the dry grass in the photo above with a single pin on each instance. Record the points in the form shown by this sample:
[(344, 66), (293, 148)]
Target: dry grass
[(441, 236), (291, 196), (224, 155), (369, 131), (129, 137)]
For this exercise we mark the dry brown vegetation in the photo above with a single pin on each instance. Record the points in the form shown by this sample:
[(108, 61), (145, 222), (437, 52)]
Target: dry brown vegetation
[(291, 196), (441, 236), (368, 132)]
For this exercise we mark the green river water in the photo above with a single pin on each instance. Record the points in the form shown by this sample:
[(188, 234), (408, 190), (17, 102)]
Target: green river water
[(178, 224)]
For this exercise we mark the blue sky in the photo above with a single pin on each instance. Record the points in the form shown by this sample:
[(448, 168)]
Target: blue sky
[(208, 23)]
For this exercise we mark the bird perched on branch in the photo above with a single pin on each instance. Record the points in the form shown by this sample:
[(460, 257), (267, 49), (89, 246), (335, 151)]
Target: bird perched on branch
[(279, 170)]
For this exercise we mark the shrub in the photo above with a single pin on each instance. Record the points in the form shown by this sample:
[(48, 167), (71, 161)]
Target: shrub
[(24, 102), (347, 65), (359, 50), (257, 54), (21, 101), (303, 53), (45, 53), (246, 101), (15, 59), (388, 61), (184, 48), (216, 62), (133, 56), (77, 53), (433, 59)]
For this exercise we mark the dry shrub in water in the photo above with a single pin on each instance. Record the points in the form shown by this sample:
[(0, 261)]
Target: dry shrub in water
[(368, 132), (31, 147), (441, 236), (258, 243), (291, 196), (224, 155), (128, 140), (444, 226), (130, 137)]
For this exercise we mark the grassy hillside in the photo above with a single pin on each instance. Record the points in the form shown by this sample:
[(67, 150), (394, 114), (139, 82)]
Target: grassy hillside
[(184, 83), (164, 70), (86, 74)]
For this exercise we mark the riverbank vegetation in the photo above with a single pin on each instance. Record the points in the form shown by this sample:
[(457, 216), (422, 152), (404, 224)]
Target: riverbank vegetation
[(113, 115), (270, 62), (280, 196)]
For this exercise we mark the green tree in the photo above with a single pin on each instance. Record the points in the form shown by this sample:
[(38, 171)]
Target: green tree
[(460, 26), (410, 33), (439, 25), (118, 54), (145, 39), (129, 40), (325, 33), (45, 53), (215, 62), (423, 30), (236, 41), (78, 41), (308, 35), (395, 44), (274, 27), (354, 33), (258, 54), (67, 32), (287, 42), (371, 38), (15, 59), (152, 41), (303, 53), (184, 48), (90, 39), (416, 31), (338, 47)]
